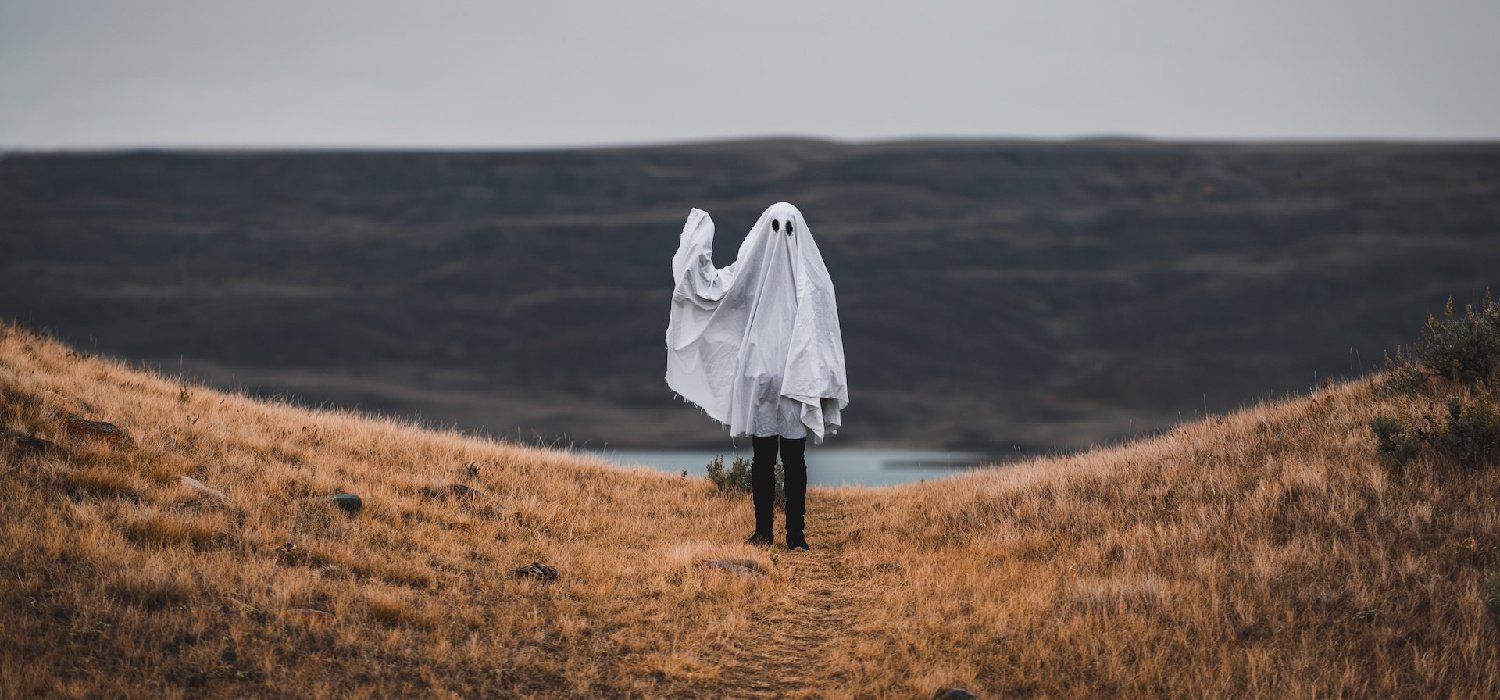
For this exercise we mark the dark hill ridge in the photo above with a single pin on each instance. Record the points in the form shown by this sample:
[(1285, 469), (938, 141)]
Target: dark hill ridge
[(1041, 294)]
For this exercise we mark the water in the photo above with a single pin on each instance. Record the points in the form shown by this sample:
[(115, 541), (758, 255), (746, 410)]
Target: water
[(832, 466)]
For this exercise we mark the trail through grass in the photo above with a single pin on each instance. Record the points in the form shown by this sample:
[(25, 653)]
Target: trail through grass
[(784, 650)]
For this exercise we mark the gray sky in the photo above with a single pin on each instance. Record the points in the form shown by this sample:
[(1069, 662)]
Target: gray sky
[(543, 73)]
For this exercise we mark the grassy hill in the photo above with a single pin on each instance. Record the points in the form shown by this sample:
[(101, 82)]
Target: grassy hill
[(1037, 294), (1270, 552)]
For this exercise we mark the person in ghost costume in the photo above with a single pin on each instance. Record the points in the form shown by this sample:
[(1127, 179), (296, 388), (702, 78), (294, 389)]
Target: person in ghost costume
[(757, 346)]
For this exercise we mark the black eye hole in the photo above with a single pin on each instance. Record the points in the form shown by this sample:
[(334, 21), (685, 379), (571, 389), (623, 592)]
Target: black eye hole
[(775, 225), (790, 227)]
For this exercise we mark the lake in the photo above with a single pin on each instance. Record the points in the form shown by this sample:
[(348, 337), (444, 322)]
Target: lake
[(833, 466)]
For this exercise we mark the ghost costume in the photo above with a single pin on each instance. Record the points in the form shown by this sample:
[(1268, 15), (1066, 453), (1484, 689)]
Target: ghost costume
[(756, 344)]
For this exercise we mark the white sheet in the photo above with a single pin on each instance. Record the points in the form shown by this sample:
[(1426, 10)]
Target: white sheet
[(756, 344)]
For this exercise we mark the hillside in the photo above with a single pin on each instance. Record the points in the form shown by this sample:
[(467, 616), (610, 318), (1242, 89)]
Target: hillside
[(1264, 553), (993, 294)]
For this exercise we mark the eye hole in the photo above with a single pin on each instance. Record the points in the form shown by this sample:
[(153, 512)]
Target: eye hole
[(790, 227), (775, 225)]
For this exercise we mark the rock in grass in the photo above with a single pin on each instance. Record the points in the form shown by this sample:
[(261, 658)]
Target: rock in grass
[(348, 502), (536, 570), (452, 490), (954, 693), (199, 488), (743, 567), (80, 427)]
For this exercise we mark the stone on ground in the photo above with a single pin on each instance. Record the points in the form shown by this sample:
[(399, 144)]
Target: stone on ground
[(349, 502), (201, 489), (79, 427), (743, 567), (536, 570)]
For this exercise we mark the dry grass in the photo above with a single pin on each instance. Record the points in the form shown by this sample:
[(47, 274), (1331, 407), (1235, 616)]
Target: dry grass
[(1266, 553)]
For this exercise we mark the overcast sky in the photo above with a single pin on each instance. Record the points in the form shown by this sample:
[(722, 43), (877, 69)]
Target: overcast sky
[(75, 73)]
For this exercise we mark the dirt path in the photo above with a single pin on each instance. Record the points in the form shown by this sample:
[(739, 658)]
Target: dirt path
[(783, 653)]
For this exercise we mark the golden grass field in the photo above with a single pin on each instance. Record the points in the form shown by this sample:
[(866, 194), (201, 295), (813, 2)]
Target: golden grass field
[(1266, 553)]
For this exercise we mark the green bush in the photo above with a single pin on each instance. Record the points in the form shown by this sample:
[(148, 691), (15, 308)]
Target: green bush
[(1464, 349), (1396, 441), (1403, 376), (1469, 435), (736, 479)]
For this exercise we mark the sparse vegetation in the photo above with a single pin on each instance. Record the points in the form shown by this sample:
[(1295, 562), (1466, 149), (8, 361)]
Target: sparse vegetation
[(735, 481), (1467, 433), (1403, 375), (1462, 349), (1471, 433), (1397, 440), (1265, 553), (1458, 356)]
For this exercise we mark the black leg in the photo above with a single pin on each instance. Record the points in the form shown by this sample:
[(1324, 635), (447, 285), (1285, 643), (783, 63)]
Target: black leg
[(763, 485), (794, 462)]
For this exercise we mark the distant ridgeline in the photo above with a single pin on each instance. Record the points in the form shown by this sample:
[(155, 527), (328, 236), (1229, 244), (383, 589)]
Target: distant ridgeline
[(997, 295)]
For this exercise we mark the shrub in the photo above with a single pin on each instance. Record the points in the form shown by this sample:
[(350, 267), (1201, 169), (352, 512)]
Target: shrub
[(1463, 349), (736, 479), (1397, 442), (1403, 375), (1469, 435)]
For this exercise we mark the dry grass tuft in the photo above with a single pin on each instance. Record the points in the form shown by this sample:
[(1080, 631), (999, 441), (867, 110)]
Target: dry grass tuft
[(152, 590), (102, 482), (161, 530), (1266, 553), (395, 608)]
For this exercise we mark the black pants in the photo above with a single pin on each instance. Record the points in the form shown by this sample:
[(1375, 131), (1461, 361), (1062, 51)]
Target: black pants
[(763, 483)]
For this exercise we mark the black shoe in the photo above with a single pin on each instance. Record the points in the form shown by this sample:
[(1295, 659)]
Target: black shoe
[(797, 543), (757, 538)]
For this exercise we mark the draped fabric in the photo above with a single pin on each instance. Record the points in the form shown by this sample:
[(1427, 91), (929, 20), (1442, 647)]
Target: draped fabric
[(756, 344)]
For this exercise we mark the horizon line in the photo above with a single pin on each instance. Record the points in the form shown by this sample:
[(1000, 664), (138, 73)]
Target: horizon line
[(1100, 139)]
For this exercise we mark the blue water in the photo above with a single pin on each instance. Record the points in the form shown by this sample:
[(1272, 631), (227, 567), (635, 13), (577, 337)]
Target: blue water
[(832, 466)]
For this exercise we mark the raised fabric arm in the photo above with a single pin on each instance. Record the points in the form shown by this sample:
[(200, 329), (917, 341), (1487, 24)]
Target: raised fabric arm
[(697, 280)]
